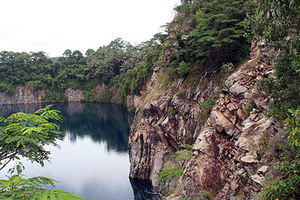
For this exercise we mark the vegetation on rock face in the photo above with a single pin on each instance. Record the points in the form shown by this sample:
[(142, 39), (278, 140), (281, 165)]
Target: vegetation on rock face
[(208, 32), (278, 24), (287, 185), (173, 170)]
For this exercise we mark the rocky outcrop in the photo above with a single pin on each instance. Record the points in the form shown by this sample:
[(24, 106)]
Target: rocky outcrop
[(73, 95), (26, 95), (226, 155), (225, 159), (163, 122), (134, 101), (22, 95)]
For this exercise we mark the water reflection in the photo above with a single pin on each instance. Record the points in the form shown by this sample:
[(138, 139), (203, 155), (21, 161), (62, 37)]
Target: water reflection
[(101, 122), (143, 190), (93, 160)]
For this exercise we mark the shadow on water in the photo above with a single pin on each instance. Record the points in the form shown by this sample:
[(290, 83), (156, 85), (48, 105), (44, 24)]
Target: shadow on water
[(143, 190)]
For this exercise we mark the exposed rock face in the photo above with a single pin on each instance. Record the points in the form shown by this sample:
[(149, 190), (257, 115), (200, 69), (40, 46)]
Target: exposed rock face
[(226, 151), (162, 124), (22, 95), (73, 95), (26, 95), (134, 101), (98, 89)]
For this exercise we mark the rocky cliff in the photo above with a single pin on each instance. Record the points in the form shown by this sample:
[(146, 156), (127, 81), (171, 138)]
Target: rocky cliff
[(165, 120), (22, 95), (26, 95), (227, 156)]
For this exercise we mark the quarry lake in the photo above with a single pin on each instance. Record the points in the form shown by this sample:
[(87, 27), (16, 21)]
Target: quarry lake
[(92, 160)]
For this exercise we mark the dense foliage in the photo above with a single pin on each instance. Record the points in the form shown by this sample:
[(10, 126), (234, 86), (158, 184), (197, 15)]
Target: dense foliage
[(19, 188), (207, 34), (219, 36), (120, 64), (287, 186), (278, 23)]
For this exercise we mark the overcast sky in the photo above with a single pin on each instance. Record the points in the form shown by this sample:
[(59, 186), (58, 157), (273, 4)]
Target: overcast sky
[(55, 25)]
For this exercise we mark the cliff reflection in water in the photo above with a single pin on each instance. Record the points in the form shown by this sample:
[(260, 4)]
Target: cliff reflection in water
[(93, 159), (101, 122)]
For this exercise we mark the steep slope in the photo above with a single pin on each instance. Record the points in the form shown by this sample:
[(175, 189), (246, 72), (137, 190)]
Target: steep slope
[(227, 155), (163, 122)]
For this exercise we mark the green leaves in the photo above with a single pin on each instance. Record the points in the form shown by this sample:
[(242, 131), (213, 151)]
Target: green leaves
[(19, 188), (219, 32), (25, 134), (287, 186), (169, 172), (283, 90)]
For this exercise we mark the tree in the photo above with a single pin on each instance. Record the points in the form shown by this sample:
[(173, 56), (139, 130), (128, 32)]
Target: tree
[(25, 134), (67, 53), (219, 33), (278, 23), (89, 52)]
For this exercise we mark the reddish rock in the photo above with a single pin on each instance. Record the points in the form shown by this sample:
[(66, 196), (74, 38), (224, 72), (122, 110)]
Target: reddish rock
[(73, 95)]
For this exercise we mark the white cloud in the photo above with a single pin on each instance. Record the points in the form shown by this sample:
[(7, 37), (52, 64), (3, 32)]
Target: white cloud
[(55, 25)]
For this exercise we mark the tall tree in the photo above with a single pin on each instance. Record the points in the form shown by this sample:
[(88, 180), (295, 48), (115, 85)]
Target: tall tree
[(219, 34)]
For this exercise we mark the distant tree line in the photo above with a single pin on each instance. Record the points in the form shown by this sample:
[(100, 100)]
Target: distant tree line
[(119, 63)]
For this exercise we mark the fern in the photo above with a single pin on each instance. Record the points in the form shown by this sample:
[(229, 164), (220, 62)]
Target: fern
[(19, 188)]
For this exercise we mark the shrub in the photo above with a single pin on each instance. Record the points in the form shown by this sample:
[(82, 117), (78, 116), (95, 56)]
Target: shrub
[(88, 96), (7, 88), (185, 154), (227, 68), (171, 111), (250, 106), (169, 171), (205, 195), (182, 70), (287, 186), (189, 140), (181, 94), (209, 103), (104, 96), (54, 96)]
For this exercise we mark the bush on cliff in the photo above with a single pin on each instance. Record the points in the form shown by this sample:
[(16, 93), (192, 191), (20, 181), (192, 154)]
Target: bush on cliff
[(287, 185), (278, 24)]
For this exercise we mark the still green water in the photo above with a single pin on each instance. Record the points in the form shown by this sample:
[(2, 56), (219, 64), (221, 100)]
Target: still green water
[(92, 160)]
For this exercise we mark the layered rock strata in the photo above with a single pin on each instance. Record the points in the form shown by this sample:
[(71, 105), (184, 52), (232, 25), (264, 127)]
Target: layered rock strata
[(226, 155)]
